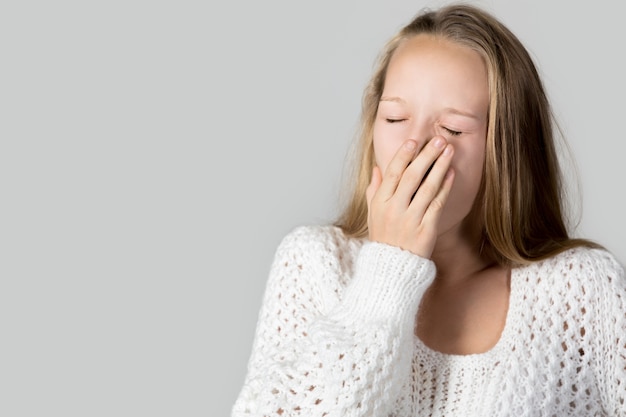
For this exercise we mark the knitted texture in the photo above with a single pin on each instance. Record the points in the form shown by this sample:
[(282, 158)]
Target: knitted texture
[(335, 337)]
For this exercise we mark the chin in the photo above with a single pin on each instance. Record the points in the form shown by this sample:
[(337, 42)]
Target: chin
[(466, 223)]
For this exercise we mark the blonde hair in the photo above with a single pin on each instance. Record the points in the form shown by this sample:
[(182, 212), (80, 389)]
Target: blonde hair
[(521, 196)]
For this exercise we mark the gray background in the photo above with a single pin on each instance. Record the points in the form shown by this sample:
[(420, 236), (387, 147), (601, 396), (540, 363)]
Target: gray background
[(153, 154)]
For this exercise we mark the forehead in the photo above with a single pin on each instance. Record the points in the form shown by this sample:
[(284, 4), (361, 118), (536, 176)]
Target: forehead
[(425, 64)]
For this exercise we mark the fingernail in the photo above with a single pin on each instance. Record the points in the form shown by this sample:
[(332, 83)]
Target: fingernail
[(410, 145), (439, 143), (448, 150)]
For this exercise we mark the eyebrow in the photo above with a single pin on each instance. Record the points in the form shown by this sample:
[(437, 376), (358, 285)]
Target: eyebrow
[(461, 113), (394, 99), (446, 109)]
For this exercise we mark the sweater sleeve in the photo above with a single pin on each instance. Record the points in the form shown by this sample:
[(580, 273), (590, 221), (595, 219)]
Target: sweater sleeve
[(610, 355), (317, 356)]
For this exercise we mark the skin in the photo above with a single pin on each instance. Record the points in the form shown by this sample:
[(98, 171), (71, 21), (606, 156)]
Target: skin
[(434, 109)]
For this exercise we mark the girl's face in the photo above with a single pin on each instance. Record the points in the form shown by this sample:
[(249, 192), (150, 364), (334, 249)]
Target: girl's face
[(436, 87)]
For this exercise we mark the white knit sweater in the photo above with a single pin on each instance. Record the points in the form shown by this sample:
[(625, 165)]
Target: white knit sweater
[(335, 337)]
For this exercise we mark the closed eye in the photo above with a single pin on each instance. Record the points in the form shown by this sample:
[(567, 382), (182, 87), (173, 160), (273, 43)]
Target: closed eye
[(451, 132), (394, 120)]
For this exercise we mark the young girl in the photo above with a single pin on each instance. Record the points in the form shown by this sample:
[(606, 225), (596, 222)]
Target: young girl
[(450, 285)]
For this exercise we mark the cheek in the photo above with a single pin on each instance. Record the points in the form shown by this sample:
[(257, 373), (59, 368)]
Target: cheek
[(381, 155), (380, 150), (386, 144), (469, 163)]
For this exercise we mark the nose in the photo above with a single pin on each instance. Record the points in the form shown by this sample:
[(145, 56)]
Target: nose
[(421, 131)]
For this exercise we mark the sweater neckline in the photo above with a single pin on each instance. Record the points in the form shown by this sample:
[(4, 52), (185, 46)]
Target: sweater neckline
[(503, 344)]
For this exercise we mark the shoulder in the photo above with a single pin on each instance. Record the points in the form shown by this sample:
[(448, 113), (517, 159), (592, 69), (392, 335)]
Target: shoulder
[(579, 293), (583, 260), (582, 275), (314, 262), (318, 241), (318, 250), (593, 265)]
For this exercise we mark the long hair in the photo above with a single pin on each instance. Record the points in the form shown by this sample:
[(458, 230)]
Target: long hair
[(521, 197)]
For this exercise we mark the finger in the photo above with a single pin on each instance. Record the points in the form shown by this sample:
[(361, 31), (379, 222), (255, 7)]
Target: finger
[(435, 208), (395, 169), (430, 187), (418, 169), (373, 186)]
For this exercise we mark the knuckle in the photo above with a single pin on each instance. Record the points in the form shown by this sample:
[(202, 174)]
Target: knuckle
[(436, 205), (411, 176), (428, 189), (394, 175)]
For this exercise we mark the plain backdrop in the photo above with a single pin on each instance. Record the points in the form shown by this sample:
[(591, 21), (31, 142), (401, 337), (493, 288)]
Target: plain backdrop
[(154, 153)]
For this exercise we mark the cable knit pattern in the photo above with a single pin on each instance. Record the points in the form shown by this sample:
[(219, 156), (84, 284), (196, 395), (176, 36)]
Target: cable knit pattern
[(335, 337)]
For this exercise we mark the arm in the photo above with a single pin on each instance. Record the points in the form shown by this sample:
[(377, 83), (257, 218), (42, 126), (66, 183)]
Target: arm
[(610, 355), (313, 356)]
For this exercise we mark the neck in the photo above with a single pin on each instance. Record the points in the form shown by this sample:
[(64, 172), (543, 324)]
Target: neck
[(458, 256)]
